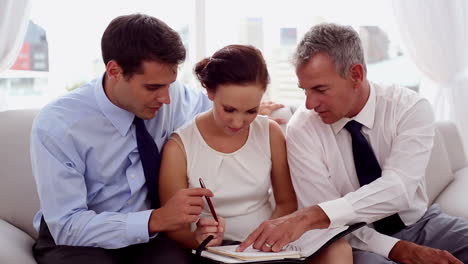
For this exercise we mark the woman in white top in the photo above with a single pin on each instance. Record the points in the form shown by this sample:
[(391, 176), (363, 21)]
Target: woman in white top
[(240, 156)]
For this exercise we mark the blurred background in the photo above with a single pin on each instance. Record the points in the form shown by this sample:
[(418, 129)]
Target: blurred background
[(420, 44)]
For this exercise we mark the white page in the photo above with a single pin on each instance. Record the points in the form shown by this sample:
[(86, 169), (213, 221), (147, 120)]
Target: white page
[(305, 246), (255, 254), (312, 240), (217, 257)]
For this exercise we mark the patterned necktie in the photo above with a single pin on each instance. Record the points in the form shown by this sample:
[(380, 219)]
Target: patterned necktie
[(150, 159), (368, 170)]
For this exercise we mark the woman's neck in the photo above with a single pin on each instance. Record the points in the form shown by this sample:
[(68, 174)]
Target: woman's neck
[(216, 137)]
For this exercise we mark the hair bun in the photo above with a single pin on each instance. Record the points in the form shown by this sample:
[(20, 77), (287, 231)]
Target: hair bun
[(201, 72), (201, 65), (233, 64)]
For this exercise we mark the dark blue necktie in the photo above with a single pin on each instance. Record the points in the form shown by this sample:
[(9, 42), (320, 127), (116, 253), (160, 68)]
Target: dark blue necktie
[(368, 170), (150, 159)]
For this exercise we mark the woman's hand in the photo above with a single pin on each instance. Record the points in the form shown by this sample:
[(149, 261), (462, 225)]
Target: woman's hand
[(208, 226)]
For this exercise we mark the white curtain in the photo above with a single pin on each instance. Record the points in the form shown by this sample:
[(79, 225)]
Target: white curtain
[(435, 33), (14, 18)]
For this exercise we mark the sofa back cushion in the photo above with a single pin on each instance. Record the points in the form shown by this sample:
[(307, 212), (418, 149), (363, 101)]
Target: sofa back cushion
[(18, 196), (453, 145), (438, 172)]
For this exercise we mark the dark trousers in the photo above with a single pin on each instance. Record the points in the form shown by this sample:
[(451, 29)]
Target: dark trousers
[(158, 250)]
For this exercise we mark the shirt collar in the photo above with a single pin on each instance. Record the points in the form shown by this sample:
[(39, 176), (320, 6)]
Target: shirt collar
[(366, 116), (120, 118)]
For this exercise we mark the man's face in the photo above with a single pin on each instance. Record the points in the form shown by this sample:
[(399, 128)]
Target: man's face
[(327, 93), (144, 94)]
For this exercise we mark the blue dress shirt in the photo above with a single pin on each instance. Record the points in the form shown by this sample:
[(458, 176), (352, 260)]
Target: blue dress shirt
[(87, 168)]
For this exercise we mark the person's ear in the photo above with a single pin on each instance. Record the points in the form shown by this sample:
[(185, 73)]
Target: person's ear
[(356, 74), (113, 70)]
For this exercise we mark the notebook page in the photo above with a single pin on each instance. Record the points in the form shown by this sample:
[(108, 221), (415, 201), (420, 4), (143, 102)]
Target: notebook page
[(253, 254), (305, 246), (221, 258), (312, 240)]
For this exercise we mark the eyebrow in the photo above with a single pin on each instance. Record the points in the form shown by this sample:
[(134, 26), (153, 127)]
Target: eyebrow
[(228, 106), (316, 87), (154, 85)]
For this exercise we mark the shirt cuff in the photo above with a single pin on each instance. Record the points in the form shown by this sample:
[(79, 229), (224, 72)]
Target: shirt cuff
[(137, 227), (382, 245), (339, 211)]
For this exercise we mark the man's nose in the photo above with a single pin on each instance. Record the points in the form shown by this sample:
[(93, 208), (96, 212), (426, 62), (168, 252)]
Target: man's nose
[(163, 96), (311, 102)]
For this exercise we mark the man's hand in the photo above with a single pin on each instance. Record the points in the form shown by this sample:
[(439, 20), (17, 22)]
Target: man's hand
[(208, 226), (410, 253), (273, 235), (183, 208), (266, 108)]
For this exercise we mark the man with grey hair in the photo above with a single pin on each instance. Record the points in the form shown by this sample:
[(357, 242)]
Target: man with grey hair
[(358, 153)]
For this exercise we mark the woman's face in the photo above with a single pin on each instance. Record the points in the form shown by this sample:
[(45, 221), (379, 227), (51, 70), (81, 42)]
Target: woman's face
[(235, 106)]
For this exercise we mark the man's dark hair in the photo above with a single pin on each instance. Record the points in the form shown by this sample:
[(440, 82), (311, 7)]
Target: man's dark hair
[(132, 39)]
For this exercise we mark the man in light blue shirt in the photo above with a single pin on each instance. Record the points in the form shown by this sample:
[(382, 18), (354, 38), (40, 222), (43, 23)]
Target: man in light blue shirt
[(85, 159)]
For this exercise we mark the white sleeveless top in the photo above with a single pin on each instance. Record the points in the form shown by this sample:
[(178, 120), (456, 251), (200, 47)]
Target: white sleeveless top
[(240, 181)]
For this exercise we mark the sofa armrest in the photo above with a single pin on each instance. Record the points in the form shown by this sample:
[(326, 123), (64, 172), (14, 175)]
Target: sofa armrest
[(15, 245)]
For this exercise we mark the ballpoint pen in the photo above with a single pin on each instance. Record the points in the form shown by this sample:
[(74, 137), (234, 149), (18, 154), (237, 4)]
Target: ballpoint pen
[(208, 200)]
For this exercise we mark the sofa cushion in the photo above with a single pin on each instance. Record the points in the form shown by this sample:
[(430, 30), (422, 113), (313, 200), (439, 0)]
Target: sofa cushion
[(15, 245), (453, 199), (438, 171), (18, 196), (453, 144)]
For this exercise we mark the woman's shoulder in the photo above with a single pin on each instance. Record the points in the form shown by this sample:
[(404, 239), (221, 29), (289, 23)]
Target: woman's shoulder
[(261, 121), (187, 127), (266, 124)]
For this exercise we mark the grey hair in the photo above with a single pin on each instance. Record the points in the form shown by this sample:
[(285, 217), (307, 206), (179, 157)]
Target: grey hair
[(341, 43)]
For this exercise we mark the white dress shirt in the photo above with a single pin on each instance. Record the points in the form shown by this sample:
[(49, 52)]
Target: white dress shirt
[(399, 126)]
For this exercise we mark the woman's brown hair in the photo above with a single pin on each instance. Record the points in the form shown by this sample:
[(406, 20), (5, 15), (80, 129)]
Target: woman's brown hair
[(233, 64)]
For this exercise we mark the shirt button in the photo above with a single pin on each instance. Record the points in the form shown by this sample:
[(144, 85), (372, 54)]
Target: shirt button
[(129, 201), (139, 240), (132, 176)]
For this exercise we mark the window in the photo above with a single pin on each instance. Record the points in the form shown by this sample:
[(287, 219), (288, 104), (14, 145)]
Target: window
[(62, 49), (276, 27)]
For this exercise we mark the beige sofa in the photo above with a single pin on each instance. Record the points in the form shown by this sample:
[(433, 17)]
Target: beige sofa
[(447, 182)]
